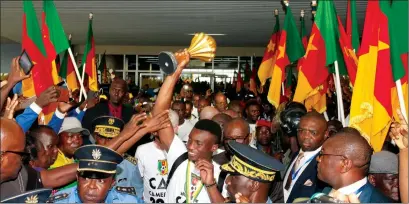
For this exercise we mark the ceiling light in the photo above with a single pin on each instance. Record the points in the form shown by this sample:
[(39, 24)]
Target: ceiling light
[(211, 34)]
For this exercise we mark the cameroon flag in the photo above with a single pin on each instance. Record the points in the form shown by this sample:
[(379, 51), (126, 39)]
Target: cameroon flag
[(352, 25), (89, 60), (304, 35), (67, 71), (290, 49), (383, 59), (32, 43), (350, 59), (55, 42), (266, 67), (322, 51)]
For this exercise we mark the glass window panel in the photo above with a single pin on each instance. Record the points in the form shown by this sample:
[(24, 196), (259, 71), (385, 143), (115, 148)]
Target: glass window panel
[(131, 62), (148, 62), (115, 62)]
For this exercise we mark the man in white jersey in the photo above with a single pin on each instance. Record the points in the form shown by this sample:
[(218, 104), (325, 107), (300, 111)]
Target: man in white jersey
[(185, 185), (154, 167)]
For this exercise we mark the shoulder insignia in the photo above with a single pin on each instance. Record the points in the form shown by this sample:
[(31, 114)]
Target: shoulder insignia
[(127, 190), (62, 196), (131, 159)]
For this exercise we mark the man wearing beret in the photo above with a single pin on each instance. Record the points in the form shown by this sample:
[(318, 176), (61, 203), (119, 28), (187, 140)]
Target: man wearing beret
[(96, 179), (251, 174), (263, 137), (384, 174), (105, 128)]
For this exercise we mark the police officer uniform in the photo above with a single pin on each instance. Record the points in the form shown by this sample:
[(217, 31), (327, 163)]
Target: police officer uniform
[(252, 163), (96, 158), (35, 196), (127, 171)]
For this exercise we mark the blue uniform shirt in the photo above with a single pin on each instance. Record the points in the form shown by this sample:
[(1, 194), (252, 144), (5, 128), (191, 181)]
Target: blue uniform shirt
[(127, 174), (115, 195)]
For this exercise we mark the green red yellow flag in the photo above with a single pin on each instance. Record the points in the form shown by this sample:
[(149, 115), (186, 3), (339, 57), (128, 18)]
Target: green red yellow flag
[(352, 25), (265, 70), (381, 53), (32, 43), (55, 42), (67, 71), (322, 51), (290, 49), (89, 60)]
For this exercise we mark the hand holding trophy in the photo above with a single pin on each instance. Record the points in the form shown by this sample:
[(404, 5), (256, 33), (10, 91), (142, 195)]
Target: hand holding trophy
[(202, 47)]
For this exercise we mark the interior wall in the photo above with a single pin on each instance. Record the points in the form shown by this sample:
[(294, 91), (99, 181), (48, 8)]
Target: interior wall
[(154, 50), (8, 52)]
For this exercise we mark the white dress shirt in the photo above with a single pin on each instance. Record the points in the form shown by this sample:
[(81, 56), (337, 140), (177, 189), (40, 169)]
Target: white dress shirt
[(307, 157)]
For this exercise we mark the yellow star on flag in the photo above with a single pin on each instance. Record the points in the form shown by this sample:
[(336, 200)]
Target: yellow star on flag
[(271, 46)]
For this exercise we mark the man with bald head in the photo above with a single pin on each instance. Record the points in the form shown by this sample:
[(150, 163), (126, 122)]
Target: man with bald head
[(12, 149), (300, 179), (114, 107), (203, 103), (221, 119), (235, 106), (344, 163), (231, 113), (208, 113), (234, 130), (220, 102)]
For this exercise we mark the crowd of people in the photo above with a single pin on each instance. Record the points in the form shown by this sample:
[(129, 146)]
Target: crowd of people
[(184, 146)]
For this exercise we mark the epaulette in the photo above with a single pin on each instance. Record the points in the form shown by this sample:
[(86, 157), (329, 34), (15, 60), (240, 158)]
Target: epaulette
[(61, 196), (127, 190), (131, 159)]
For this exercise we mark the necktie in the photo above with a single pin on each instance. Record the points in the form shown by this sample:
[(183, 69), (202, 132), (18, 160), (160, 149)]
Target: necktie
[(295, 168)]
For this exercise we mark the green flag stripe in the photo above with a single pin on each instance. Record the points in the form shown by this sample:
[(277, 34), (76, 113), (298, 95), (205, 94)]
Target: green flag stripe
[(55, 28), (397, 14), (33, 28), (294, 46)]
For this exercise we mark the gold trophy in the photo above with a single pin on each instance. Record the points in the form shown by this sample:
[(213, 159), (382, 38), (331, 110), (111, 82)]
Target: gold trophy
[(202, 47)]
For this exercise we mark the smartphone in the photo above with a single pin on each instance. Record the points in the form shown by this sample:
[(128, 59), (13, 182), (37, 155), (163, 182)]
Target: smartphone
[(25, 62)]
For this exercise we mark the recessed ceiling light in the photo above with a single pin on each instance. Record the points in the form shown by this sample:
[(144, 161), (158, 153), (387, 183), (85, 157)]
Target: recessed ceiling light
[(212, 34)]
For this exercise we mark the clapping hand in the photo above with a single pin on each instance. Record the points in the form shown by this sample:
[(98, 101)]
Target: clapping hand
[(399, 131), (10, 107)]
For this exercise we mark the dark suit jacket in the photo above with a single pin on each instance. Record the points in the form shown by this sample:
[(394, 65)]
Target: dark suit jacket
[(102, 109), (369, 194), (310, 173)]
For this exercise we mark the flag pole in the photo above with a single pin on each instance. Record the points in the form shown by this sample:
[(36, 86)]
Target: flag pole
[(77, 73), (82, 78), (401, 99), (339, 94)]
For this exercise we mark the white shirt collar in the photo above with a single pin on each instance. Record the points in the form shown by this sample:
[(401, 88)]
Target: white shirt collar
[(310, 153), (346, 190)]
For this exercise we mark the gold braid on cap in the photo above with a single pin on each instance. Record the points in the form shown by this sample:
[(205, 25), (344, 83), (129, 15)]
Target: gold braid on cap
[(245, 169), (107, 131)]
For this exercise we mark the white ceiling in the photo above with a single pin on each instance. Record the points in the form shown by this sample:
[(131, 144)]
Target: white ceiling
[(167, 23)]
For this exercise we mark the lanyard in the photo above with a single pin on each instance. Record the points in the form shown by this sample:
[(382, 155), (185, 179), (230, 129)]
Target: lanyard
[(294, 174), (191, 197)]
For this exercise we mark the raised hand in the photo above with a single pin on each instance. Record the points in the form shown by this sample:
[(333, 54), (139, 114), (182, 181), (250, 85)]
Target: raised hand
[(156, 123), (183, 58), (11, 106), (399, 131), (16, 75), (48, 96), (206, 171), (89, 103), (134, 125), (241, 199)]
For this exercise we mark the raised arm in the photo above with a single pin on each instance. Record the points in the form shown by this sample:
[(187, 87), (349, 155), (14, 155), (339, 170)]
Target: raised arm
[(14, 77), (165, 96)]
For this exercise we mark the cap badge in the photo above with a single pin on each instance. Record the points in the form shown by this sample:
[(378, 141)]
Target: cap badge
[(96, 154), (32, 199), (111, 121)]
